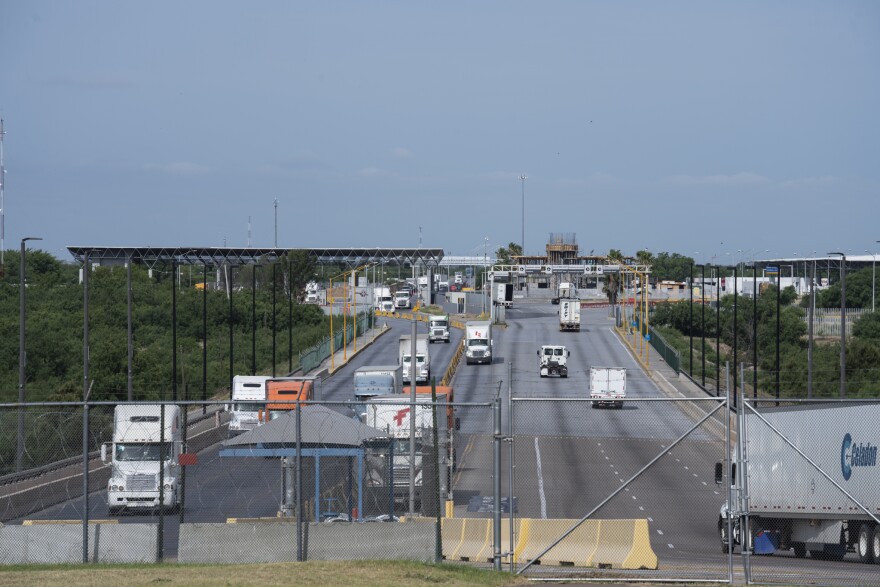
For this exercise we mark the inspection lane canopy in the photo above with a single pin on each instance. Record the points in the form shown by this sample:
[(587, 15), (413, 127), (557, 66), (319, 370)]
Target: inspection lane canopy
[(322, 428)]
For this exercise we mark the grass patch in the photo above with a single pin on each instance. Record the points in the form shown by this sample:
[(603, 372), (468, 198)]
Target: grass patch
[(323, 573)]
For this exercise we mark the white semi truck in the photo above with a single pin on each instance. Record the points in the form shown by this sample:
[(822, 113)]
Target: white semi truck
[(248, 399), (478, 342), (607, 386), (401, 299), (438, 328), (372, 381), (825, 510), (144, 458), (382, 300), (423, 357), (393, 415), (569, 315), (553, 360)]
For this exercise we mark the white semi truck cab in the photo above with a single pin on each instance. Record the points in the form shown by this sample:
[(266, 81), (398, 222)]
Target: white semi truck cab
[(401, 299), (553, 360), (423, 358), (478, 342), (438, 328), (144, 458), (248, 400)]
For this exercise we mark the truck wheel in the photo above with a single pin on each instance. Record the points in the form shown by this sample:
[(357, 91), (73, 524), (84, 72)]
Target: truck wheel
[(863, 545), (875, 544), (114, 511), (722, 530), (800, 549)]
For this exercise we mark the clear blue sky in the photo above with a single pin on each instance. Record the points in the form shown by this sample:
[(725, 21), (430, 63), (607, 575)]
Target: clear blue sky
[(702, 128)]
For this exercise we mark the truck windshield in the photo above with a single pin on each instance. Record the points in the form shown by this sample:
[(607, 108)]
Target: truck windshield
[(140, 451), (476, 342), (246, 407), (439, 323)]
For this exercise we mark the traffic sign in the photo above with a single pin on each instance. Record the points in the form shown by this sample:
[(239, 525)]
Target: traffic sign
[(771, 270)]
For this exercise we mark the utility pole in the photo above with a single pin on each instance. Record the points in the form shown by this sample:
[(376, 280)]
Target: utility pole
[(2, 205), (523, 177)]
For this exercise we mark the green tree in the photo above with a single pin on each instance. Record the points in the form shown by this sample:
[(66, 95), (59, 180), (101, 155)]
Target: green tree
[(505, 254), (868, 326)]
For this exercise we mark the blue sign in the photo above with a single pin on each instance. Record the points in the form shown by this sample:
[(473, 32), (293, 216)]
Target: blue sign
[(771, 269)]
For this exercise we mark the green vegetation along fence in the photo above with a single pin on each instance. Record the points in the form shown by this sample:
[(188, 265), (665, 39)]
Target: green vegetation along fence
[(314, 356), (669, 354)]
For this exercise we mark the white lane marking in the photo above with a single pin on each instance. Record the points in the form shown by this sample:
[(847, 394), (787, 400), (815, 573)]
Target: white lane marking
[(640, 507), (633, 496), (540, 481), (670, 546), (649, 519), (660, 532), (704, 483)]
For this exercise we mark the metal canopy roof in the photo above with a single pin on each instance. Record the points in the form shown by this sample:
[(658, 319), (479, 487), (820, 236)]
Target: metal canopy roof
[(248, 255), (321, 427)]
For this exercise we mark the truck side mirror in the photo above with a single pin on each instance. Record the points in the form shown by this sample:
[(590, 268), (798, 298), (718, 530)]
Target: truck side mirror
[(567, 353), (104, 452), (719, 473), (539, 353)]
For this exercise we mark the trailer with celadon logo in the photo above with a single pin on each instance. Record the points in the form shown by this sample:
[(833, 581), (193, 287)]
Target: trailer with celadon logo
[(812, 481)]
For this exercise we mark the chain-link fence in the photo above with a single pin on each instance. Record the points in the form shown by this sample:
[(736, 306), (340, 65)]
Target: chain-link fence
[(552, 488)]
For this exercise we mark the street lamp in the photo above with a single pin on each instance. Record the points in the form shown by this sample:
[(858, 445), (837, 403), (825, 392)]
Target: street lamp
[(842, 322), (22, 355)]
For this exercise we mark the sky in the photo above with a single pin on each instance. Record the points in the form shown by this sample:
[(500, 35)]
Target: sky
[(744, 129)]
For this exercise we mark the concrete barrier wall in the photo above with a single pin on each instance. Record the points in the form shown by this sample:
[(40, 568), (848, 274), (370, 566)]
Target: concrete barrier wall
[(371, 541), (276, 542), (270, 542), (616, 544), (62, 544)]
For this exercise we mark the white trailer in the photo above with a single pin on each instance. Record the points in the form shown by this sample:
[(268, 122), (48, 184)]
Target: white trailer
[(144, 458), (504, 294), (607, 386), (438, 328), (423, 357), (569, 315), (394, 415), (372, 381), (478, 342), (801, 506), (248, 399)]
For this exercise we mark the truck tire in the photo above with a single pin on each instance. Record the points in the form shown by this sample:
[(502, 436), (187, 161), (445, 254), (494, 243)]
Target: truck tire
[(800, 549), (722, 531), (863, 543), (875, 543)]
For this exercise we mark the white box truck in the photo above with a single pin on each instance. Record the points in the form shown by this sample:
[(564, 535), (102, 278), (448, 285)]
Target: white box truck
[(423, 357), (438, 328), (371, 381), (248, 399), (394, 416), (478, 342), (569, 315), (803, 507), (607, 386), (144, 458)]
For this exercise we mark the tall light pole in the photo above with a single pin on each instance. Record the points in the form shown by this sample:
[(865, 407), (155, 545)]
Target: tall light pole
[(873, 277), (523, 177), (485, 268), (842, 323), (22, 355), (276, 223)]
